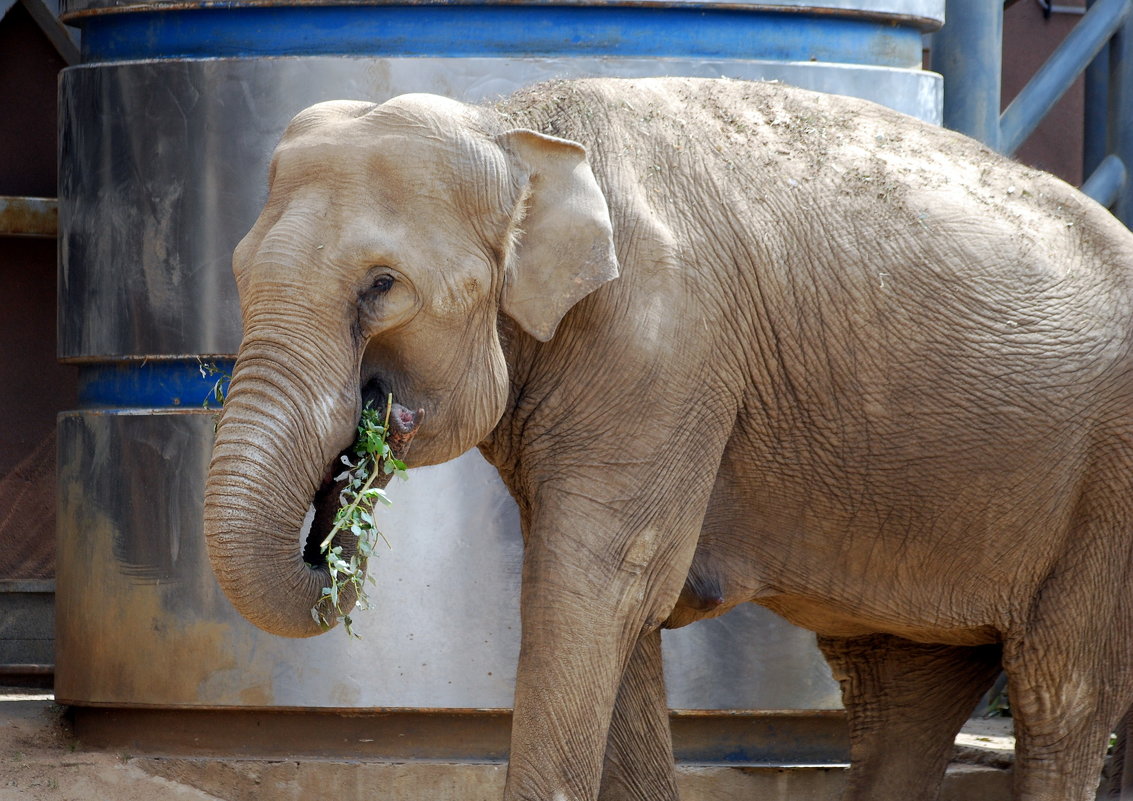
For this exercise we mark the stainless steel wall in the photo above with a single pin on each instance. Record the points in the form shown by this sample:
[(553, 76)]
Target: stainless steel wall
[(162, 170)]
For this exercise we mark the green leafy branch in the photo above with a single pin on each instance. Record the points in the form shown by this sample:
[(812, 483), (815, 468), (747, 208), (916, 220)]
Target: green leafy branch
[(373, 459), (219, 388)]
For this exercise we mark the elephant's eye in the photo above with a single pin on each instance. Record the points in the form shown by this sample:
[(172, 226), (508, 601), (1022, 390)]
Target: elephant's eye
[(382, 284)]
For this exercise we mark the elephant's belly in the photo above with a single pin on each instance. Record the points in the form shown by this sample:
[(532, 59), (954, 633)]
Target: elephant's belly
[(831, 621), (826, 602), (941, 559)]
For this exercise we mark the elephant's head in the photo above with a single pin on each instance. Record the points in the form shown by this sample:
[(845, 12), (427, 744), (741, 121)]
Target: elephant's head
[(392, 238)]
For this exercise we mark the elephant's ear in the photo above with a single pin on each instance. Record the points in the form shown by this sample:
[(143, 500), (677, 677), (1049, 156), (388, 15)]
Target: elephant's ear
[(561, 245)]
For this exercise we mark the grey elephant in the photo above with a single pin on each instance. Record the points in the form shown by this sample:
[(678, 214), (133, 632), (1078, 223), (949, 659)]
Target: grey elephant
[(725, 342)]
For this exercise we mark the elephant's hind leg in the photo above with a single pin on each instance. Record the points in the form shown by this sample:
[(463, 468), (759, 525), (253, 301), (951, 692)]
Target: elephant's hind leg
[(1064, 713), (905, 702), (639, 751), (1069, 671)]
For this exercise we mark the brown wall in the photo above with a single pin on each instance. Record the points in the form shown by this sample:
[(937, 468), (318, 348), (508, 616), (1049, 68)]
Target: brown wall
[(33, 387), (1028, 40)]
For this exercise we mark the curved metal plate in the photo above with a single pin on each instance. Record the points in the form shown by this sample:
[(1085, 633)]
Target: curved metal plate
[(544, 31), (163, 169), (141, 620)]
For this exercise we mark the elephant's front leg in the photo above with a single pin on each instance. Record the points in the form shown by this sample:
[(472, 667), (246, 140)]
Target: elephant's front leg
[(588, 597), (639, 749)]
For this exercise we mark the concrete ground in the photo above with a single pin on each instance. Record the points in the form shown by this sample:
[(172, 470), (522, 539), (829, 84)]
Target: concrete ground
[(40, 760)]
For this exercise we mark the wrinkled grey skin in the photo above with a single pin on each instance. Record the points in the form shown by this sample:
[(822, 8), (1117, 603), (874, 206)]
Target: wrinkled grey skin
[(751, 344)]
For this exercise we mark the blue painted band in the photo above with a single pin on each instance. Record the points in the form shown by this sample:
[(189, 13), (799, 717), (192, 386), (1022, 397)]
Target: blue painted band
[(495, 30), (166, 383)]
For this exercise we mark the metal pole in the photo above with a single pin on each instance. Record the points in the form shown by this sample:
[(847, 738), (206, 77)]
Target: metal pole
[(1094, 129), (1105, 183), (1121, 113), (1059, 72), (968, 52)]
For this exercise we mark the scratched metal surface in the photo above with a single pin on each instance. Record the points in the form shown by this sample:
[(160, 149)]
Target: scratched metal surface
[(163, 167)]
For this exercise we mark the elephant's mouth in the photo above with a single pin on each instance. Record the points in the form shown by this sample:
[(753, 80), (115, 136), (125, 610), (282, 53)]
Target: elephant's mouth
[(320, 521), (403, 426)]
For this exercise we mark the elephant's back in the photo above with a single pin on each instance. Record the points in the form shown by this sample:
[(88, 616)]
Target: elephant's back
[(916, 249), (834, 166)]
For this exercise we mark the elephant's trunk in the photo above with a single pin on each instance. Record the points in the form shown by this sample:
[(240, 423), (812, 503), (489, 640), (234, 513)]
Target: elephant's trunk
[(277, 444)]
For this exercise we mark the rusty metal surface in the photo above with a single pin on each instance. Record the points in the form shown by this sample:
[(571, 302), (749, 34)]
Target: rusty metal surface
[(29, 216), (734, 738)]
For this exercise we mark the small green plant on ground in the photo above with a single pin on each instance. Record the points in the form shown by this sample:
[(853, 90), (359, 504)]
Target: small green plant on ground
[(374, 459)]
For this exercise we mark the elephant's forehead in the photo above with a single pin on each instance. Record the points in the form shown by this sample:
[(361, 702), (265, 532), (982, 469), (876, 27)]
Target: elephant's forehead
[(311, 160), (396, 160)]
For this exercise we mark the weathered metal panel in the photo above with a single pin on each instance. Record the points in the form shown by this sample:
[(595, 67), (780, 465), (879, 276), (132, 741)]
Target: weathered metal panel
[(163, 170), (141, 619), (626, 30), (27, 626), (29, 216)]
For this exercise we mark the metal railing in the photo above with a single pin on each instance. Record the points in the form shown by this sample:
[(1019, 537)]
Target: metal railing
[(968, 52)]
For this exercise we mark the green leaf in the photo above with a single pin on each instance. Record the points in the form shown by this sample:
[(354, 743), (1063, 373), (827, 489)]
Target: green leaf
[(355, 514)]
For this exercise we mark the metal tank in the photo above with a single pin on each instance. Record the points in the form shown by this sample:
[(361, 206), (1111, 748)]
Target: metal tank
[(166, 132)]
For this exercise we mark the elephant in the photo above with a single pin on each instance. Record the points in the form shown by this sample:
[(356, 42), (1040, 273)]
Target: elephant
[(725, 342)]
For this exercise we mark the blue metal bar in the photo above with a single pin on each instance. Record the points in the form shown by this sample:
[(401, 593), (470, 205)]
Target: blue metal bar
[(1107, 181), (1060, 71), (1121, 112), (967, 51), (160, 383), (512, 30), (1096, 109)]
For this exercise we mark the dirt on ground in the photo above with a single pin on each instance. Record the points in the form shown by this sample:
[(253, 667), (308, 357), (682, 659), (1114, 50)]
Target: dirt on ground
[(41, 761)]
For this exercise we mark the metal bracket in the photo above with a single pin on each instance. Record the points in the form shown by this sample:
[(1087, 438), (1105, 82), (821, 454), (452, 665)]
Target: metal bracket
[(46, 16), (29, 216)]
